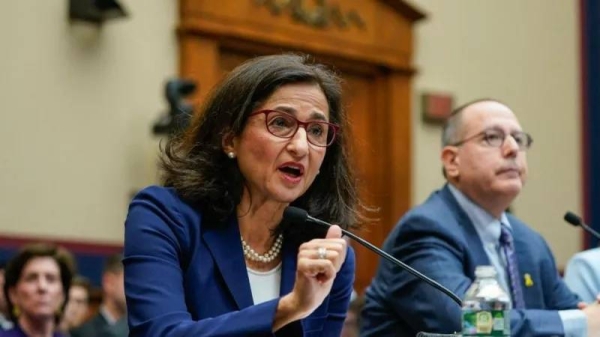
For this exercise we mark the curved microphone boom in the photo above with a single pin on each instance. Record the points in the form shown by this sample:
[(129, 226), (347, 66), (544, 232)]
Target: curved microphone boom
[(299, 216), (575, 220)]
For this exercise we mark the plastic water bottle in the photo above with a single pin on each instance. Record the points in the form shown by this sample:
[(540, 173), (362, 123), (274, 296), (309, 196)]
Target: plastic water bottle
[(486, 307)]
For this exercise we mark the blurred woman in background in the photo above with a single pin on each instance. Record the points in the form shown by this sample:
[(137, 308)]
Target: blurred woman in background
[(37, 282)]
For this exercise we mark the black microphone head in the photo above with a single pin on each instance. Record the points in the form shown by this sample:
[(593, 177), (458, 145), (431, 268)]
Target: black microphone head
[(295, 215), (573, 219)]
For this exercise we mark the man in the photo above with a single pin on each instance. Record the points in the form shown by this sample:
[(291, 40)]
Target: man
[(111, 321), (464, 225), (77, 308), (582, 274)]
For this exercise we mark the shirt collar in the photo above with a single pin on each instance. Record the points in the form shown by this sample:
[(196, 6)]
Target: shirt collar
[(487, 226), (107, 316)]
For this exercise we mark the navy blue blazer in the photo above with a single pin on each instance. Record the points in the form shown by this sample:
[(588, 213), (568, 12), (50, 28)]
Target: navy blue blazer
[(438, 239), (186, 276)]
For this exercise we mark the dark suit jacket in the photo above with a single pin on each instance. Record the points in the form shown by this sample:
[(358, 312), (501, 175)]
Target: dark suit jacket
[(438, 239), (184, 276), (16, 331), (98, 326)]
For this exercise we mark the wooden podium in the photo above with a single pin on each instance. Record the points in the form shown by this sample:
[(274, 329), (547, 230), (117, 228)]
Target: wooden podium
[(370, 42)]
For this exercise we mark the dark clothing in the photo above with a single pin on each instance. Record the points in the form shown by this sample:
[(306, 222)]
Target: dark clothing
[(185, 276), (438, 239), (17, 332), (98, 326)]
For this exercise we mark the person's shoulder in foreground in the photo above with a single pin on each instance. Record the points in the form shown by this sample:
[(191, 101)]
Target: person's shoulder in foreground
[(582, 274)]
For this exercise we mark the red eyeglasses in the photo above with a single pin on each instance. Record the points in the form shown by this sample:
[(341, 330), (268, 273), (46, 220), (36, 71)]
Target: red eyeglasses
[(284, 125)]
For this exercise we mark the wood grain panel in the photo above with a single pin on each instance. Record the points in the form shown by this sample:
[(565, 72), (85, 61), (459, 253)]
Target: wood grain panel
[(381, 40)]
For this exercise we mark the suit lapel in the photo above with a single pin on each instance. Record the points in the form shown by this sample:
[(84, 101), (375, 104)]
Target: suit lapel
[(224, 243), (288, 269), (472, 239)]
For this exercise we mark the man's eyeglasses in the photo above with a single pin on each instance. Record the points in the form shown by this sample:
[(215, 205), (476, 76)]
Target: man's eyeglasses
[(496, 138), (283, 125)]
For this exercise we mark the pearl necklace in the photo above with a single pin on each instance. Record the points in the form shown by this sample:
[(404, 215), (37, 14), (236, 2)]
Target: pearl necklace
[(269, 256)]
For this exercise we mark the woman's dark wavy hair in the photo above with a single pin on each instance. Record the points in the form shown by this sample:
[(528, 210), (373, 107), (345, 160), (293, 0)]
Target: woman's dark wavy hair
[(14, 269), (196, 166)]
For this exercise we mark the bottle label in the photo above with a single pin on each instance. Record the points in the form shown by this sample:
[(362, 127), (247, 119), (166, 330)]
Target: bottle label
[(485, 323)]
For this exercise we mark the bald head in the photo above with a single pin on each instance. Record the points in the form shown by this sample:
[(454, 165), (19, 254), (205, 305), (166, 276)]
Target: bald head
[(453, 130)]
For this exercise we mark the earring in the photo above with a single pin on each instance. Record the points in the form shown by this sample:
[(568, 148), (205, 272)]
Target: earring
[(231, 155), (16, 311)]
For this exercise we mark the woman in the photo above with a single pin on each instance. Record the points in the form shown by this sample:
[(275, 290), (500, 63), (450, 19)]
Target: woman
[(209, 255), (37, 282)]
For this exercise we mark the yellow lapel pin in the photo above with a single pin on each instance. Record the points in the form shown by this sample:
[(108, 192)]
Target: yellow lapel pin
[(528, 280)]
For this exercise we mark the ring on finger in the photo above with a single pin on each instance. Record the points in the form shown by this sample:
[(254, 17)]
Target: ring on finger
[(322, 253)]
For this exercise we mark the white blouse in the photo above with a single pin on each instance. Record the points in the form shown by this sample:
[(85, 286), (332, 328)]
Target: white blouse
[(265, 285)]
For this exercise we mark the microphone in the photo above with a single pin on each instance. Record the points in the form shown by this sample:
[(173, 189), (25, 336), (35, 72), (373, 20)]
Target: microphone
[(299, 216), (574, 220)]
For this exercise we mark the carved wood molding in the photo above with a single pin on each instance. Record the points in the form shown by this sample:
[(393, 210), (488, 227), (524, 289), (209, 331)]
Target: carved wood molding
[(408, 11), (321, 15), (373, 31)]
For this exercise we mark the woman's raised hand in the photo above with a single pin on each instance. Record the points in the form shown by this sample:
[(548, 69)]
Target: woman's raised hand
[(319, 260)]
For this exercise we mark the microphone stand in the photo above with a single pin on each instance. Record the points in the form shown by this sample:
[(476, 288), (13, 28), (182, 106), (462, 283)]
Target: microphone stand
[(392, 259)]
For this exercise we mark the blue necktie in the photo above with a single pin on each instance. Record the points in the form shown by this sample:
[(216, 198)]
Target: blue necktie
[(512, 267)]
